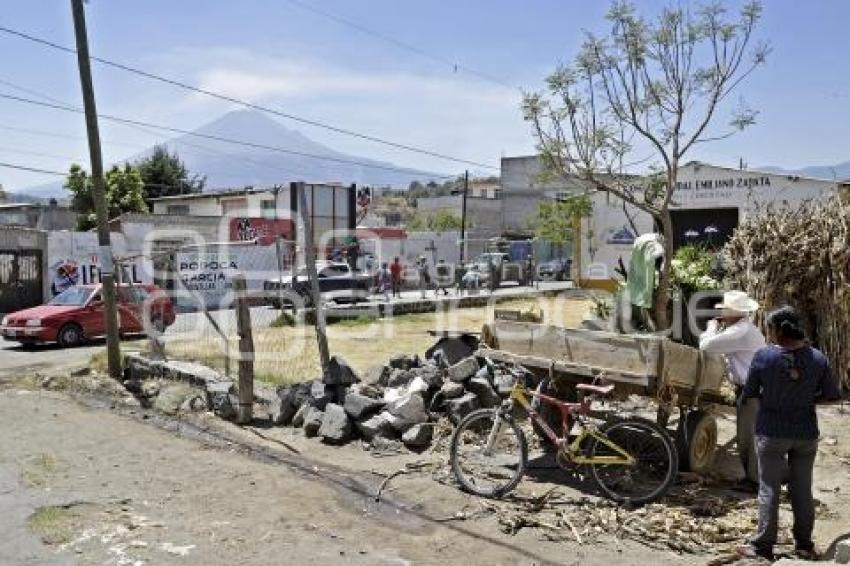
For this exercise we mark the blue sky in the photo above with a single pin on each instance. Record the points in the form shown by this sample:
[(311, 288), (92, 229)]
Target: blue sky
[(278, 54)]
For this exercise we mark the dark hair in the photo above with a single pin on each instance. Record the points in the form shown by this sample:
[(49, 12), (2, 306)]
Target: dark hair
[(787, 322)]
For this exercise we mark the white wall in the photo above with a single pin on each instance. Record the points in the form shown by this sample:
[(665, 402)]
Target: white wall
[(73, 258), (701, 186)]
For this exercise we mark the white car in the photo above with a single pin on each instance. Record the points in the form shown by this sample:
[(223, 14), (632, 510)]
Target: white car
[(336, 283)]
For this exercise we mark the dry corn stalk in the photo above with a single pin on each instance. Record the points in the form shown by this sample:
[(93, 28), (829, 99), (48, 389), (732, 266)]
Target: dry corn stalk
[(800, 256)]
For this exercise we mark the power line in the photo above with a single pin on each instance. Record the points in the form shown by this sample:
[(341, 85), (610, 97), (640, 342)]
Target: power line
[(398, 43), (246, 104), (31, 169), (136, 146), (38, 153), (34, 132), (128, 121)]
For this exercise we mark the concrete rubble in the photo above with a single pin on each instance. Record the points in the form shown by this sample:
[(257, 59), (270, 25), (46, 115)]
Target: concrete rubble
[(400, 401)]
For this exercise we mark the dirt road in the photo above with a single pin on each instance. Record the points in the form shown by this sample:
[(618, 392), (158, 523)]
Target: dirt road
[(134, 493), (94, 479)]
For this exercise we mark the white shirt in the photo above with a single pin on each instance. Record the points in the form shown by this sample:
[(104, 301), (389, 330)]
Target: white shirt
[(738, 342)]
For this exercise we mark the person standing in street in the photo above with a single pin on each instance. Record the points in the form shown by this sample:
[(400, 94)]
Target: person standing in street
[(353, 253), (530, 270), (444, 277), (384, 281), (735, 336), (424, 277), (395, 271), (491, 274), (790, 377)]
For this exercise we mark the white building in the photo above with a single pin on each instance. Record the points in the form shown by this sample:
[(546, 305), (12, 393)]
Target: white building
[(708, 204)]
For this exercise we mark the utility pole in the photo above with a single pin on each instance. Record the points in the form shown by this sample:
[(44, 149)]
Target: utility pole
[(463, 217), (107, 269)]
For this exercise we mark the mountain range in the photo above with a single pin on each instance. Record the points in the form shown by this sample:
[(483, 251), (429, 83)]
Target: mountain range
[(276, 155), (839, 171)]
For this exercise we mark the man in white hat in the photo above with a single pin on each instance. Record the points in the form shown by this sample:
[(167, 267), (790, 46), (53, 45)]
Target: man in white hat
[(735, 336)]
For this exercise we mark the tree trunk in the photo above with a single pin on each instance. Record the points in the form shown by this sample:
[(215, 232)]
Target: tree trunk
[(662, 295)]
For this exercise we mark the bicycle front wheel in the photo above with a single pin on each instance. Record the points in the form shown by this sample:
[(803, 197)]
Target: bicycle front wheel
[(488, 453), (654, 469)]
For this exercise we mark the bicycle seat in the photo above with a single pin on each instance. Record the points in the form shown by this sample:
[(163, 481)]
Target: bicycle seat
[(601, 389)]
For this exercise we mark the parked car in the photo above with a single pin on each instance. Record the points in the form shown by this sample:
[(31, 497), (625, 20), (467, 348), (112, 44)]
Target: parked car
[(554, 270), (505, 269), (77, 315), (336, 283)]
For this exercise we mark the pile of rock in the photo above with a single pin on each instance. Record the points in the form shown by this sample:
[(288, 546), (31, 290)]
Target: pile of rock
[(401, 400)]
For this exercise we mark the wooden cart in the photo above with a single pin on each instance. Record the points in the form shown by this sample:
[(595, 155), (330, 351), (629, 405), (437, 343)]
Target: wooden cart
[(676, 376)]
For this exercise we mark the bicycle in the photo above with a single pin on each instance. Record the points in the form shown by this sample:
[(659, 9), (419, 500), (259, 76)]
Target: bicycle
[(631, 460)]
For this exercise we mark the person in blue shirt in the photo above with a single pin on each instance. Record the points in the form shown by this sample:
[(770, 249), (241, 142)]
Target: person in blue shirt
[(789, 377)]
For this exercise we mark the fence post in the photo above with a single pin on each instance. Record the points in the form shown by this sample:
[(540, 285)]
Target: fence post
[(244, 414), (310, 261)]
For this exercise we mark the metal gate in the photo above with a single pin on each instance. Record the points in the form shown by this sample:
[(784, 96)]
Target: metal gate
[(21, 279)]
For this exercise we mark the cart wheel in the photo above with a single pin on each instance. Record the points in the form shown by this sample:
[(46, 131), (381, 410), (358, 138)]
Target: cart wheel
[(696, 441)]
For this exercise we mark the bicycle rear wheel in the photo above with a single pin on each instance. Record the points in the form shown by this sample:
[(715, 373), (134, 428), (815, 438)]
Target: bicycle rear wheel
[(488, 453), (655, 467)]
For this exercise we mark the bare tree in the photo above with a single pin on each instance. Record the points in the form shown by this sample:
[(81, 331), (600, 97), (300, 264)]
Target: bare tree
[(647, 87)]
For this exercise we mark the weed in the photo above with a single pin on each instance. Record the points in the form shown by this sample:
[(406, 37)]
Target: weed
[(38, 469), (53, 523)]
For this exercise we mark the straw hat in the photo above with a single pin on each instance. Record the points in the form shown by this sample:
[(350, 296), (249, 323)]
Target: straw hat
[(737, 301)]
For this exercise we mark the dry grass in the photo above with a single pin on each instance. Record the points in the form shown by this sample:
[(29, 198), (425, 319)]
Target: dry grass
[(288, 354), (37, 471), (53, 524)]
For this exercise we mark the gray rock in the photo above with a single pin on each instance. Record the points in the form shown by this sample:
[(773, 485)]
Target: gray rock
[(359, 406), (431, 375), (337, 393), (339, 372), (487, 396), (283, 407), (377, 375), (396, 423), (400, 361), (399, 377), (484, 373), (224, 406), (215, 389), (151, 388), (302, 392), (594, 324), (410, 409), (192, 404), (375, 426), (312, 421), (842, 552), (453, 350), (462, 406), (336, 426), (264, 395), (451, 390), (383, 445), (320, 394), (367, 390), (504, 382), (463, 370), (418, 435), (298, 419), (791, 562)]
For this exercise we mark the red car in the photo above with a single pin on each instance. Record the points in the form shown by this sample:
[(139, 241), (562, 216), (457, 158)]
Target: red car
[(76, 315)]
